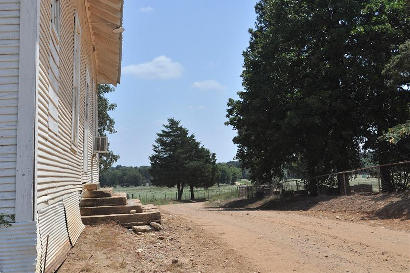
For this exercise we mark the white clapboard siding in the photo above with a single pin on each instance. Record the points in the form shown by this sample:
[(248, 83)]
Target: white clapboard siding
[(60, 168), (73, 217), (55, 242), (18, 247), (9, 71)]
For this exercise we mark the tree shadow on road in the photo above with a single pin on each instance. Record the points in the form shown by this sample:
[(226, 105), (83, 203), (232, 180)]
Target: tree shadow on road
[(370, 206), (294, 203)]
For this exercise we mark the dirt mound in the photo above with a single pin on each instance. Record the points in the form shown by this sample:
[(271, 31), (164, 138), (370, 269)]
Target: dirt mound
[(385, 206)]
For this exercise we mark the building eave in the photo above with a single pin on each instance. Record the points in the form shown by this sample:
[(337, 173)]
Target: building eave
[(105, 18)]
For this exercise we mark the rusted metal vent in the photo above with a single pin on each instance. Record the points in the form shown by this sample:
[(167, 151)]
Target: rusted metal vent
[(101, 145)]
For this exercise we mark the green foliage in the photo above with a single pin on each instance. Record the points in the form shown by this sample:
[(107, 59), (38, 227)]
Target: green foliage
[(314, 87), (6, 220), (180, 160), (125, 176), (397, 71), (229, 173), (106, 124)]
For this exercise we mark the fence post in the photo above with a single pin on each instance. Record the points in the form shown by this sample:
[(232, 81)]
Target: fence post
[(379, 180), (344, 183)]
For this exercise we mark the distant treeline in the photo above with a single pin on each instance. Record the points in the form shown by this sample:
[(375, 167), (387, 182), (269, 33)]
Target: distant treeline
[(125, 176), (227, 173)]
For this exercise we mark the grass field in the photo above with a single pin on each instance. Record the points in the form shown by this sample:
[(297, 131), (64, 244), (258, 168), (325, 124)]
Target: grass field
[(164, 195)]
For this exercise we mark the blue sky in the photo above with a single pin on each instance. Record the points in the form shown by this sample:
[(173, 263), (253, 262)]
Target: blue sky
[(181, 59)]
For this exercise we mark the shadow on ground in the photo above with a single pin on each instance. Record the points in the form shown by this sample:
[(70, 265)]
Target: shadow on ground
[(381, 206)]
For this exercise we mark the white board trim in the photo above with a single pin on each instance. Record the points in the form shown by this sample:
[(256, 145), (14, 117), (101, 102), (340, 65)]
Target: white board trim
[(27, 110)]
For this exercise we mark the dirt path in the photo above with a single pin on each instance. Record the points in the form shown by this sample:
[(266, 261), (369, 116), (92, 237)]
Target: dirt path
[(289, 242)]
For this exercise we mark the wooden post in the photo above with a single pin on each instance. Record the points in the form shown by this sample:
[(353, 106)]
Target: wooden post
[(344, 183)]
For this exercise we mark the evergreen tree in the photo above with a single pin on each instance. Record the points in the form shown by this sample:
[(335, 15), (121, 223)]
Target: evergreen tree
[(179, 160)]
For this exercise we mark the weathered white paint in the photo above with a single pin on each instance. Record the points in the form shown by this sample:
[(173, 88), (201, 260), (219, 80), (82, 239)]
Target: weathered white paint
[(53, 234), (18, 247), (9, 69), (54, 78), (26, 124), (37, 156), (74, 224)]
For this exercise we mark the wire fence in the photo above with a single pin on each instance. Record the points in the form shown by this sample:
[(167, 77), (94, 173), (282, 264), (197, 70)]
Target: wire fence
[(373, 179), (162, 197)]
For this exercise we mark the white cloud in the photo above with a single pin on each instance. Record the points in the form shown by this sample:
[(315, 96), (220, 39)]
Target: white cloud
[(208, 85), (162, 68), (146, 9)]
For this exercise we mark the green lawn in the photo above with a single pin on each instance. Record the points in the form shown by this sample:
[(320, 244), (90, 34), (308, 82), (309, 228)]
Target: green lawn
[(164, 195)]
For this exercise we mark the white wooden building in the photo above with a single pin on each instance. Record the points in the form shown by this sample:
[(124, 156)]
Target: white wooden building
[(53, 53)]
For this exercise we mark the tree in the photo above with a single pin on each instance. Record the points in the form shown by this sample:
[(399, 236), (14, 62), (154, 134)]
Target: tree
[(384, 26), (313, 85), (106, 124), (125, 176), (180, 160), (397, 71), (201, 169)]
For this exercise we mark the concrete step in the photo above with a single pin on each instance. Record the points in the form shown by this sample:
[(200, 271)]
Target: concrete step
[(91, 186), (104, 201), (103, 192), (106, 210), (123, 219)]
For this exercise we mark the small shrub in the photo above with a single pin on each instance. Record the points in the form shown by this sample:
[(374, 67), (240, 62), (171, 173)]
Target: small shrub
[(6, 220)]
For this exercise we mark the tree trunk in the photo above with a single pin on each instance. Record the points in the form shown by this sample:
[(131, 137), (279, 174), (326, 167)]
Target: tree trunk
[(180, 189), (386, 179), (192, 192), (311, 183), (343, 184)]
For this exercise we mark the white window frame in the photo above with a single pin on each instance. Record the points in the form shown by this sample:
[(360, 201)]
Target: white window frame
[(75, 129), (86, 133)]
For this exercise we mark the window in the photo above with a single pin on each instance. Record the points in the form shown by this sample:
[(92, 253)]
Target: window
[(53, 70), (55, 15), (86, 122), (76, 81)]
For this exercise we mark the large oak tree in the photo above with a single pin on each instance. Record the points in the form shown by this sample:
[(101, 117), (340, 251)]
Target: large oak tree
[(314, 87)]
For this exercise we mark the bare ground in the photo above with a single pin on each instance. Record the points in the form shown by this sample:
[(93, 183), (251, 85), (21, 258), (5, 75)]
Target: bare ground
[(112, 248), (344, 234)]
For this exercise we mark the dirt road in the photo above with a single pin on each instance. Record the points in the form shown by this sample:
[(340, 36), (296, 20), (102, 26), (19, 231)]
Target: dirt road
[(290, 242)]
